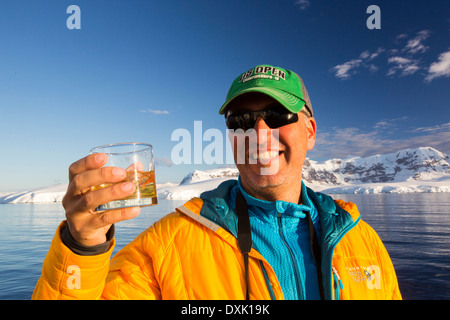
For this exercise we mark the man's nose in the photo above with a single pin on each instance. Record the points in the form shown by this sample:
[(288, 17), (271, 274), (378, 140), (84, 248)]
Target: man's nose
[(262, 130), (260, 124)]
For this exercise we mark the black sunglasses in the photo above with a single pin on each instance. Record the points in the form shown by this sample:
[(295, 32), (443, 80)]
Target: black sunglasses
[(275, 117)]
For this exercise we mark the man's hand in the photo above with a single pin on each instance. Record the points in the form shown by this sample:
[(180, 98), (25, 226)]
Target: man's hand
[(87, 226)]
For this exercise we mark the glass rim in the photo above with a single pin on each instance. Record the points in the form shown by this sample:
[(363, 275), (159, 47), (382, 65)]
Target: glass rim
[(146, 146)]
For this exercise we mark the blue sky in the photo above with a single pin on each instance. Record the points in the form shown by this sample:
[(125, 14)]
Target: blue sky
[(138, 69)]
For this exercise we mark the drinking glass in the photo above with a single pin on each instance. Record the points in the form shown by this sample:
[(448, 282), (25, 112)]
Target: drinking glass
[(137, 159)]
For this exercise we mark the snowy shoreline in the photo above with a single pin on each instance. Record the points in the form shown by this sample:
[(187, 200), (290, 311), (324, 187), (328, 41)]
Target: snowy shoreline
[(420, 170), (172, 191)]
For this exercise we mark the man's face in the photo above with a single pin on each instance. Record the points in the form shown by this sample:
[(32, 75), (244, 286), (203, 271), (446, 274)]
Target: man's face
[(284, 158)]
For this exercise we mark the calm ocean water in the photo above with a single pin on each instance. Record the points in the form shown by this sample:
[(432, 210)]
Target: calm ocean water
[(415, 229)]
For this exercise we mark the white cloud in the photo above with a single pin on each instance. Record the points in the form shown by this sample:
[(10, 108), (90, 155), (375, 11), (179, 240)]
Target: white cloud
[(400, 37), (434, 129), (345, 70), (373, 68), (302, 4), (399, 60), (440, 68), (415, 45), (166, 162), (341, 142), (365, 54), (405, 66), (439, 141), (390, 123), (376, 53), (157, 112), (404, 60), (408, 65)]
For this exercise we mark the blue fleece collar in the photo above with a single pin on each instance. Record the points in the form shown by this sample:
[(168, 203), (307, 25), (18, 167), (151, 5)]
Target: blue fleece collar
[(275, 207)]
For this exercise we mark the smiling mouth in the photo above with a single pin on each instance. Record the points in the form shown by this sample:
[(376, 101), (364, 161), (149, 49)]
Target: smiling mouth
[(264, 156)]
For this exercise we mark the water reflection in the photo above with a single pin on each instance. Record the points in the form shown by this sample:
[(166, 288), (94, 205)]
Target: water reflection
[(415, 229)]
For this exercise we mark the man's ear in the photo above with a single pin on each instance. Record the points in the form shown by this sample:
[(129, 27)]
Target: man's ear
[(311, 129)]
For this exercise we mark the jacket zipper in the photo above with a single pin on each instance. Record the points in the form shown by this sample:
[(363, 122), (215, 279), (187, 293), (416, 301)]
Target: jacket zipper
[(291, 254), (336, 241), (337, 284), (266, 279)]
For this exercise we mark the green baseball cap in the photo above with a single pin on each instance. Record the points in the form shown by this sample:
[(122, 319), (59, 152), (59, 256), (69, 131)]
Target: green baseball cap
[(283, 85)]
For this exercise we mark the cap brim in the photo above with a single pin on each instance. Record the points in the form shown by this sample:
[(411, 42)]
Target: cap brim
[(289, 101)]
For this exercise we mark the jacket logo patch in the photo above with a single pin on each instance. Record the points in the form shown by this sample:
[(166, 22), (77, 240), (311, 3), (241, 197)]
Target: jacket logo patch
[(371, 275)]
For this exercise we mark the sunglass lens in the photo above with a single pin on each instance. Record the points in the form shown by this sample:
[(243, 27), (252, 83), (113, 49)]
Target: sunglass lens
[(276, 120), (272, 118), (239, 122)]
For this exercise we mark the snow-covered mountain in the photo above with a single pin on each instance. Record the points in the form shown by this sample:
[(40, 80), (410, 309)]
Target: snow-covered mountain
[(421, 164), (41, 195), (412, 170), (197, 175)]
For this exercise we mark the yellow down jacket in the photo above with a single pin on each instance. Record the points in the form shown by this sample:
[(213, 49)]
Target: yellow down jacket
[(193, 254)]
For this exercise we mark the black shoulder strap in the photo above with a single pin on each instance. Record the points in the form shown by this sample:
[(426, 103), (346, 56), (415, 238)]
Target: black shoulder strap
[(316, 252), (244, 235), (245, 242)]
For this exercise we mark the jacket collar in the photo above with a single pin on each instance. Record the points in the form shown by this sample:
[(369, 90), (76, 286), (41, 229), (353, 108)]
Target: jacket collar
[(273, 207), (335, 216)]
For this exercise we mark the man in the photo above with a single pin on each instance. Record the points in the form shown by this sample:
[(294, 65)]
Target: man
[(265, 236)]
